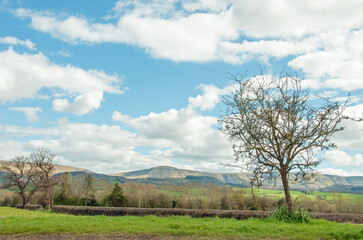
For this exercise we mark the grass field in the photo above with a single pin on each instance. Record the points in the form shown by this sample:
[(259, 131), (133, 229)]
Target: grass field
[(278, 194), (24, 222), (272, 194)]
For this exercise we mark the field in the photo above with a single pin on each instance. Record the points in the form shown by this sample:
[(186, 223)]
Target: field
[(273, 194), (28, 223), (278, 194)]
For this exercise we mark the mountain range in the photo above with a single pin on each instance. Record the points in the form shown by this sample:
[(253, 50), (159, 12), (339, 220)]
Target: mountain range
[(170, 175), (322, 182)]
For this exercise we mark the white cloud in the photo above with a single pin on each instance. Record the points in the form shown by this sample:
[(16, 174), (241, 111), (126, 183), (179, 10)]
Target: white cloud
[(211, 96), (185, 134), (338, 66), (100, 148), (81, 105), (31, 113), (351, 137), (295, 19), (36, 71), (340, 158), (15, 41), (340, 172)]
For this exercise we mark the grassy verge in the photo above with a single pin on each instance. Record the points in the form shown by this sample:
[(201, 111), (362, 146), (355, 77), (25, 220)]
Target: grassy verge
[(16, 221)]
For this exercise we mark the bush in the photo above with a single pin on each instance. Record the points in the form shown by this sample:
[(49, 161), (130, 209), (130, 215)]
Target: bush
[(296, 215)]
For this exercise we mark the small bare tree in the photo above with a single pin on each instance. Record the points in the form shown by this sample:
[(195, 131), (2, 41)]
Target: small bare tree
[(22, 175), (66, 189), (89, 189), (277, 128), (44, 165)]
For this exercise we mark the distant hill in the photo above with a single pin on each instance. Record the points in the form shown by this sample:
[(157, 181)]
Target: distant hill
[(62, 168), (162, 172), (170, 174)]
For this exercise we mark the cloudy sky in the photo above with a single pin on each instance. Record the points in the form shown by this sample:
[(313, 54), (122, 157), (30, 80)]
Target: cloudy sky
[(123, 85)]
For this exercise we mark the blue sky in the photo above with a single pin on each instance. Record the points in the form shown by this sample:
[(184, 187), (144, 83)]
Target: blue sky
[(123, 85)]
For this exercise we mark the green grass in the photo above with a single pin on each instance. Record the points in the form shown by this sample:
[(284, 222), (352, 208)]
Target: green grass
[(278, 194), (23, 222), (272, 194)]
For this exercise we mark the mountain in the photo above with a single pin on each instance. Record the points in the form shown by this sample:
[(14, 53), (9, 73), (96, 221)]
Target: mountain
[(170, 175), (162, 172), (165, 174)]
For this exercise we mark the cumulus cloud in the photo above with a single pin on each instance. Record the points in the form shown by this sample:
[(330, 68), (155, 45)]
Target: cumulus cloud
[(99, 147), (211, 96), (352, 136), (184, 133), (15, 41), (336, 67), (36, 71), (341, 158), (81, 105), (339, 172), (195, 31), (31, 113)]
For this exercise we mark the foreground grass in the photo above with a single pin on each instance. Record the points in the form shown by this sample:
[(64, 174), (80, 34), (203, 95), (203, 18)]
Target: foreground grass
[(24, 222)]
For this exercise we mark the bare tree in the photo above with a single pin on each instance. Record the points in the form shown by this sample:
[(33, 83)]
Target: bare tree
[(30, 174), (21, 174), (89, 189), (277, 128), (42, 159), (65, 191)]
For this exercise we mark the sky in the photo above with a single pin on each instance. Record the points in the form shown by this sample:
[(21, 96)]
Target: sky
[(114, 86)]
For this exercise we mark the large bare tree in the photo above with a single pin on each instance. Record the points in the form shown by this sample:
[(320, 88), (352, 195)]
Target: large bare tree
[(29, 174), (278, 128), (21, 175)]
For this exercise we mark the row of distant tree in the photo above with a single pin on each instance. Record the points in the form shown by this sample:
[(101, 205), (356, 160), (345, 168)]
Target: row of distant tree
[(33, 175), (82, 191)]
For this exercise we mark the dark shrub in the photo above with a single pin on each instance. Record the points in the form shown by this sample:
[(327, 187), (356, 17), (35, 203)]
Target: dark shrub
[(117, 197)]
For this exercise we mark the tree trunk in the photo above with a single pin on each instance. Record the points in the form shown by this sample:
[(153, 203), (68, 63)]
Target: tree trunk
[(24, 198), (253, 193), (285, 183), (24, 203)]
